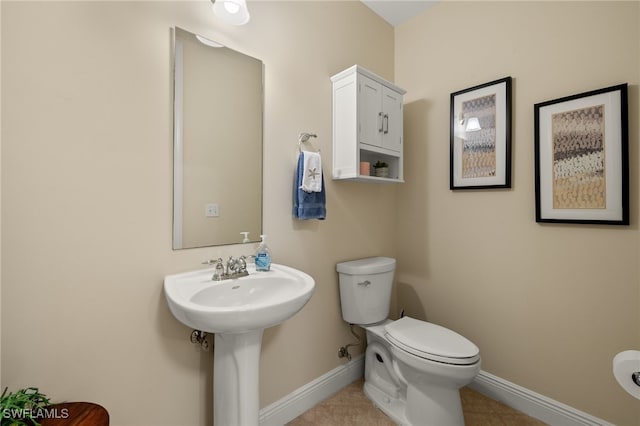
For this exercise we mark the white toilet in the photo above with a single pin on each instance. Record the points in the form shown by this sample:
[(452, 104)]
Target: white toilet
[(413, 369)]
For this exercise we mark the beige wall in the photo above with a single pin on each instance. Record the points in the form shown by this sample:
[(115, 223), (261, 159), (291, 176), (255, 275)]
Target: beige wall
[(86, 187), (548, 305), (86, 199)]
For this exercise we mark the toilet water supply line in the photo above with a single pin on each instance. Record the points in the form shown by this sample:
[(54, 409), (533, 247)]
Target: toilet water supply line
[(343, 352)]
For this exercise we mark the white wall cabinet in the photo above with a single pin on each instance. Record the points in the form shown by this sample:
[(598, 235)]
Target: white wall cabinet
[(367, 125)]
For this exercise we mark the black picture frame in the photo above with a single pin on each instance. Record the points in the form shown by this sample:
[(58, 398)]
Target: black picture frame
[(582, 158), (480, 136)]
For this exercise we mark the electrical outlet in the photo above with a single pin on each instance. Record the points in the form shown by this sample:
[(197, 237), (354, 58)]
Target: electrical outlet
[(212, 210)]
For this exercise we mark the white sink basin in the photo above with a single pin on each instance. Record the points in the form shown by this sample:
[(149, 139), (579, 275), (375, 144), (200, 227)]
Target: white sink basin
[(254, 302)]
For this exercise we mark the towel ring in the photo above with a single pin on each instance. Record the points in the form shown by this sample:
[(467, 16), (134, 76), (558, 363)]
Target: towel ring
[(303, 138)]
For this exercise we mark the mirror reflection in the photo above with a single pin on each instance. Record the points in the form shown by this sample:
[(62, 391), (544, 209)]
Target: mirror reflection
[(218, 101)]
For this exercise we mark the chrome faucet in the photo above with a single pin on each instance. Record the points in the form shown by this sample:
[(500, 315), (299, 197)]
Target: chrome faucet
[(242, 265), (218, 273), (234, 268), (232, 264), (240, 269)]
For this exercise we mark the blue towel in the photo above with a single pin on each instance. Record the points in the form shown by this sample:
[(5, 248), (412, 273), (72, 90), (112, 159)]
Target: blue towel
[(307, 205)]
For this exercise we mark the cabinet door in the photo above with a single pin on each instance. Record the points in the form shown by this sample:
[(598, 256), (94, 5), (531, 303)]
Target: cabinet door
[(391, 119), (369, 111)]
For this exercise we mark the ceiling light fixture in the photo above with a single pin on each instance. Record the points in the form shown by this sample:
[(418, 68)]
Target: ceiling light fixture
[(234, 12)]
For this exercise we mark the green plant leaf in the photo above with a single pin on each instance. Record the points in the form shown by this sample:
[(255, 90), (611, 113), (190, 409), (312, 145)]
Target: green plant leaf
[(23, 403)]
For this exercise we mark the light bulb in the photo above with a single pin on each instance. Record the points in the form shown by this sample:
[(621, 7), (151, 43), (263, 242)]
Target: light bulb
[(231, 7), (233, 12)]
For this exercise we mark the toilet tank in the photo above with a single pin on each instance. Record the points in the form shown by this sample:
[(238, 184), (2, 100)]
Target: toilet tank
[(365, 289)]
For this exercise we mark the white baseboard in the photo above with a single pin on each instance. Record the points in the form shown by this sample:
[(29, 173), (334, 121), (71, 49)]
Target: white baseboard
[(531, 403), (311, 394)]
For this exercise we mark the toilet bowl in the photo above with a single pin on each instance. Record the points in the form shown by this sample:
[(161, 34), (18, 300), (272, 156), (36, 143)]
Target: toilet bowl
[(413, 369)]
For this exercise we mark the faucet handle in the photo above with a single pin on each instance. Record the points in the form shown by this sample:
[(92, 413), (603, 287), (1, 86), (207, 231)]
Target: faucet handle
[(232, 264), (212, 261), (242, 263), (218, 275)]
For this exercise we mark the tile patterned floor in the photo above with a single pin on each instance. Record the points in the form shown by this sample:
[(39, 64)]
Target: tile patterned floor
[(351, 407)]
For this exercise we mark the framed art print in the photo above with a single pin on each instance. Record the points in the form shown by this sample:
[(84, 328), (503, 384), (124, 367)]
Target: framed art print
[(582, 158), (480, 136)]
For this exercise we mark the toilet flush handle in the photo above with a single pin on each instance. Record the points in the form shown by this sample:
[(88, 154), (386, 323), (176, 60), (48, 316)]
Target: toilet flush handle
[(366, 283)]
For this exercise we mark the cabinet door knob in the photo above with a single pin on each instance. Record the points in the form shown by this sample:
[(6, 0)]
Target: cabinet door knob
[(380, 122), (385, 123)]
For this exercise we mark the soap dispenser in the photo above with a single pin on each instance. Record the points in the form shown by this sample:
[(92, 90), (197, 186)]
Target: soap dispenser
[(245, 240), (263, 255)]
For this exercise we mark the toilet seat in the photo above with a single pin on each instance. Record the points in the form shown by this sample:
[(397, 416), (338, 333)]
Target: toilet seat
[(431, 341)]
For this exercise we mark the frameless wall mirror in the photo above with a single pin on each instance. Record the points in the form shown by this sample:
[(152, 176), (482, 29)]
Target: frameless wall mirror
[(217, 170)]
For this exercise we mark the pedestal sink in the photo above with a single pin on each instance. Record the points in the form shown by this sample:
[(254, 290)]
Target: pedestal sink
[(237, 311)]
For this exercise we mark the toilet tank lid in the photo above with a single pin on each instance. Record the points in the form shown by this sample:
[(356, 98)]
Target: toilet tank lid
[(370, 265)]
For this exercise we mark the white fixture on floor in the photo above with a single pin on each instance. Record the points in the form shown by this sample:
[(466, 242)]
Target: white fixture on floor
[(626, 369), (413, 369), (237, 311)]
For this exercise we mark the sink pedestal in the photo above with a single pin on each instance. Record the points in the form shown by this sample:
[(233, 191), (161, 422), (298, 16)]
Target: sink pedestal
[(236, 373)]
